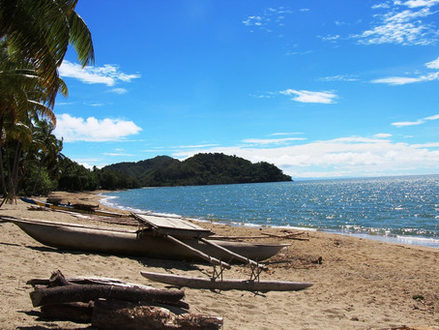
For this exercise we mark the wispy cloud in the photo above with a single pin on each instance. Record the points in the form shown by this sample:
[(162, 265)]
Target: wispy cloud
[(346, 156), (400, 80), (107, 74), (403, 23), (268, 20), (73, 129), (272, 141), (340, 77), (419, 3), (382, 135), (118, 90), (330, 37), (433, 64), (304, 96), (416, 122)]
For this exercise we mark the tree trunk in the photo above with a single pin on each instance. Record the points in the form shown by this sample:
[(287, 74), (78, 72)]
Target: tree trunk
[(124, 315), (85, 293)]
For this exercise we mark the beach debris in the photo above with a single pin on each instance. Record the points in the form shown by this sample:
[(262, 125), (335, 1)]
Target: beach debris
[(110, 303), (118, 314)]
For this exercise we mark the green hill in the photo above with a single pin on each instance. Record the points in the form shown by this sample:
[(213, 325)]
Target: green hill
[(201, 169)]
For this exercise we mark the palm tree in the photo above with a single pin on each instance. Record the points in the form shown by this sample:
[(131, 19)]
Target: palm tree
[(39, 32), (34, 37), (23, 102)]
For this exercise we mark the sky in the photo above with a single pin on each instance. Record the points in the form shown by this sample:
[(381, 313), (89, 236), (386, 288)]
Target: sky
[(321, 89)]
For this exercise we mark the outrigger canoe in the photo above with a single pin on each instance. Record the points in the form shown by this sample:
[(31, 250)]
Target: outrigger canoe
[(72, 208), (145, 243)]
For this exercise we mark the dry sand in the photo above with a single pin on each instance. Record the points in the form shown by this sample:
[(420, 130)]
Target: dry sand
[(360, 284)]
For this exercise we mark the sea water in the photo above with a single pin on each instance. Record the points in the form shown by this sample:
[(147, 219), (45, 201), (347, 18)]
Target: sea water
[(396, 209)]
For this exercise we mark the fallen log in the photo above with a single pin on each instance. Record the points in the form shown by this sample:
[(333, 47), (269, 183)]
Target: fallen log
[(58, 279), (75, 312), (124, 315), (84, 293)]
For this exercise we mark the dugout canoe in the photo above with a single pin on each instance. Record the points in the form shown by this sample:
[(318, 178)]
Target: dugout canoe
[(225, 284), (145, 243), (72, 208)]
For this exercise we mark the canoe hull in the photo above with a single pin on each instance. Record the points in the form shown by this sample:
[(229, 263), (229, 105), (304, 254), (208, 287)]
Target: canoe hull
[(126, 242), (232, 284)]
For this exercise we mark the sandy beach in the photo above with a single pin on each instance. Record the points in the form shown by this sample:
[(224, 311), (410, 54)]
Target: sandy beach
[(360, 283)]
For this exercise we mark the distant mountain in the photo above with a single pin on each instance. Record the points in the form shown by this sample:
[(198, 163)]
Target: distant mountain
[(201, 169)]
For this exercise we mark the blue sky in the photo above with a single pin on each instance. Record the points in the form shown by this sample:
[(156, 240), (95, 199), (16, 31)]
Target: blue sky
[(319, 88)]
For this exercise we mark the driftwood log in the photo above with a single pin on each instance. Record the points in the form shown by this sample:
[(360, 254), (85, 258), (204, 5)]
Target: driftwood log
[(124, 315), (112, 304), (84, 293), (58, 279)]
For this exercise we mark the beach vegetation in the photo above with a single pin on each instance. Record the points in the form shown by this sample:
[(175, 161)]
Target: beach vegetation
[(34, 38)]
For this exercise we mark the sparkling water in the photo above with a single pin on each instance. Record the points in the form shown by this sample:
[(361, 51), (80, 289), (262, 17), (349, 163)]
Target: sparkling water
[(399, 209)]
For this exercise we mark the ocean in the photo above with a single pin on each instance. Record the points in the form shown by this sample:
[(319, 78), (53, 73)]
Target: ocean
[(395, 209)]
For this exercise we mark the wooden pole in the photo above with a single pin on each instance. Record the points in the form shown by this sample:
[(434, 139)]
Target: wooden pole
[(212, 260), (235, 255)]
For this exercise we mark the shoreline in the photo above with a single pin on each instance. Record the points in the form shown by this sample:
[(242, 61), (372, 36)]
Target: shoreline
[(394, 239), (361, 283)]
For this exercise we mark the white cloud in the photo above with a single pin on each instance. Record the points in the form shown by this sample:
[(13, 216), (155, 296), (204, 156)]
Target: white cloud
[(305, 96), (118, 90), (329, 37), (268, 20), (408, 123), (73, 129), (402, 26), (435, 117), (272, 141), (416, 122), (348, 156), (381, 6), (410, 80), (433, 64), (107, 74), (420, 3), (397, 80), (382, 135), (340, 77)]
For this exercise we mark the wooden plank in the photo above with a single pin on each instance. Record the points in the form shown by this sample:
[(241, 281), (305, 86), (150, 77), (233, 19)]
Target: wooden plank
[(173, 226)]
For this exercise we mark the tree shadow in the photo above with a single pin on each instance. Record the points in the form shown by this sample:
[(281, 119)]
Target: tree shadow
[(49, 323)]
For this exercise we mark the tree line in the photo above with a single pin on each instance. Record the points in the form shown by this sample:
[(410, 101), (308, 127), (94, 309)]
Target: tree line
[(34, 37)]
